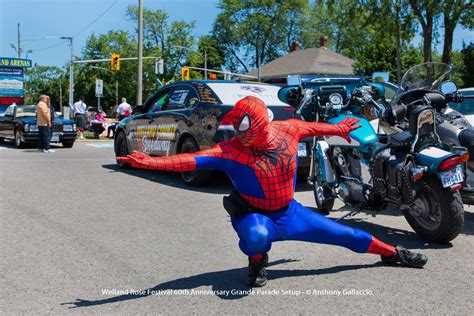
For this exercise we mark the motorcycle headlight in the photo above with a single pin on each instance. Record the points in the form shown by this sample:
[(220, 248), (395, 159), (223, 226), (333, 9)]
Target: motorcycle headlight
[(33, 128), (68, 128)]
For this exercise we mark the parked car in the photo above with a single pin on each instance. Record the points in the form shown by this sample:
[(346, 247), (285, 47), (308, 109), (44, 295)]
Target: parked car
[(466, 108), (186, 116), (18, 123)]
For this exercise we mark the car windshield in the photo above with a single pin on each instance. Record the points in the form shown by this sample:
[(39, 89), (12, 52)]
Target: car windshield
[(428, 76), (26, 111)]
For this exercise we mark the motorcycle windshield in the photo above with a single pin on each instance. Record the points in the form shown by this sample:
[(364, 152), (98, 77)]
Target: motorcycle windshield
[(428, 76)]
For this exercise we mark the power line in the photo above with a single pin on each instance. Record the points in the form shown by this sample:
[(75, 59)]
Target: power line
[(95, 20), (48, 47), (82, 30)]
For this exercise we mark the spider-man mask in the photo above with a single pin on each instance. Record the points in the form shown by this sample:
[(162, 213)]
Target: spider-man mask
[(250, 120)]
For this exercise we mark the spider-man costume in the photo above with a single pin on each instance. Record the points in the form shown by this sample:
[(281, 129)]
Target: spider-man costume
[(261, 161)]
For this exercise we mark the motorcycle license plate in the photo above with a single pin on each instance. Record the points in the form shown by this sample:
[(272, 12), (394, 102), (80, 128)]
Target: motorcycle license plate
[(55, 137), (302, 150), (450, 177)]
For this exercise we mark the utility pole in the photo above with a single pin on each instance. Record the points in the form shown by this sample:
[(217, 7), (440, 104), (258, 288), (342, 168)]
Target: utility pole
[(19, 47), (71, 73), (205, 64), (140, 52), (60, 97)]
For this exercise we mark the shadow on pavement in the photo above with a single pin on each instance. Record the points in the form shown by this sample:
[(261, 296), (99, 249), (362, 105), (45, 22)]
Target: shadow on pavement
[(220, 183), (226, 284), (468, 228)]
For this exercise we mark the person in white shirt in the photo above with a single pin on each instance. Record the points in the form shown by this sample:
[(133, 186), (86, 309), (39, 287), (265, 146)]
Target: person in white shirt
[(79, 109), (124, 109)]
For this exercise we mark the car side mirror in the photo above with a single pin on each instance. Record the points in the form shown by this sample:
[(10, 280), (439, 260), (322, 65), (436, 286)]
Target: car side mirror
[(448, 87)]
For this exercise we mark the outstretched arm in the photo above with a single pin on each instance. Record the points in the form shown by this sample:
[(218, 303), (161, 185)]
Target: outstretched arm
[(342, 129), (181, 162)]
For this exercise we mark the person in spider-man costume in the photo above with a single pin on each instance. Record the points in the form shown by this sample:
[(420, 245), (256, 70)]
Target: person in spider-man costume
[(261, 161)]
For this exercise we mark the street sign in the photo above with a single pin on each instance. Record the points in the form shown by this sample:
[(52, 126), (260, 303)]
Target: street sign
[(99, 87), (159, 66)]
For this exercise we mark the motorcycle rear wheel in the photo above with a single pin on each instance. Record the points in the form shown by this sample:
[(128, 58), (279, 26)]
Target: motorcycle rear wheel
[(437, 215)]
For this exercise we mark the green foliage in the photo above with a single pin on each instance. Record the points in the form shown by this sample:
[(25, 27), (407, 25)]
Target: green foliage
[(46, 80), (102, 47), (262, 29), (208, 46), (164, 39), (467, 71)]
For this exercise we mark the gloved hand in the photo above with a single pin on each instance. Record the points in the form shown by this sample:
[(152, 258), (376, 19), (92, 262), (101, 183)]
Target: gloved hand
[(136, 159), (346, 126)]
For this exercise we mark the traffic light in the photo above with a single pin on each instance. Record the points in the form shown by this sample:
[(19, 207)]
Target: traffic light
[(115, 62), (185, 73)]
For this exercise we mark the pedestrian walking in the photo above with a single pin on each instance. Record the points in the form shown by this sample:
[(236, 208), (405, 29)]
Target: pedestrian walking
[(79, 109), (123, 110)]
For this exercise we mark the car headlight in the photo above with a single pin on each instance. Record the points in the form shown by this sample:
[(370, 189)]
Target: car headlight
[(74, 127), (68, 128), (25, 128)]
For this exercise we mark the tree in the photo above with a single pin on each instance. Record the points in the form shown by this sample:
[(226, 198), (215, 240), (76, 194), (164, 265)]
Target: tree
[(102, 47), (467, 73), (164, 39), (254, 32), (47, 80), (426, 11), (454, 11), (372, 32), (207, 46)]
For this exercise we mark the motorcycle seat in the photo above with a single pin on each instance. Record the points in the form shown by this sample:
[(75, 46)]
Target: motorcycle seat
[(401, 138)]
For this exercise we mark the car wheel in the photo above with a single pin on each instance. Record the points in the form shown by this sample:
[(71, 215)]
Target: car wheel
[(121, 150), (196, 177), (18, 142), (67, 143)]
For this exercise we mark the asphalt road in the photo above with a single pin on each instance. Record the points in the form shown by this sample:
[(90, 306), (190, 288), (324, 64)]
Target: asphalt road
[(78, 235)]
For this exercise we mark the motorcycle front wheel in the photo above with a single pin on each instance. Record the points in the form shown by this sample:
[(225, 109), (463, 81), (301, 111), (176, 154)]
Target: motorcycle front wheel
[(438, 214), (322, 194)]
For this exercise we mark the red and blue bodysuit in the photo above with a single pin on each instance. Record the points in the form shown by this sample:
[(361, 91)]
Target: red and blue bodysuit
[(261, 161)]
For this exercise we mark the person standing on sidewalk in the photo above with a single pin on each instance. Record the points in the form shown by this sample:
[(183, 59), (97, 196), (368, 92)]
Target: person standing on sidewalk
[(79, 109), (43, 121)]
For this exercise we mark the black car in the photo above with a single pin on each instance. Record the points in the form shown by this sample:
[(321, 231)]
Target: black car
[(18, 123), (186, 116)]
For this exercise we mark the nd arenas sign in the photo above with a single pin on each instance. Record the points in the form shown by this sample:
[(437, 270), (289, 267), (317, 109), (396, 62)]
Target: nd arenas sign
[(11, 79)]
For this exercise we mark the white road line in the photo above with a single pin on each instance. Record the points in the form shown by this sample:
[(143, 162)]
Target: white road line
[(108, 145)]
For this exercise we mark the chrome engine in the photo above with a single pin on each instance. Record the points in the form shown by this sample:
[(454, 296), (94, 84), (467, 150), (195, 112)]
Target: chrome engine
[(356, 175)]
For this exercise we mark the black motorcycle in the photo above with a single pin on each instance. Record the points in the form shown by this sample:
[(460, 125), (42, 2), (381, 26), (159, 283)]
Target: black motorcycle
[(410, 167)]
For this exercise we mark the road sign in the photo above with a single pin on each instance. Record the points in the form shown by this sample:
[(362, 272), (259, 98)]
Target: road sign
[(99, 87), (159, 66)]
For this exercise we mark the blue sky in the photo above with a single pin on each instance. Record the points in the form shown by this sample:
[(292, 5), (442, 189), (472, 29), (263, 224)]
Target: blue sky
[(40, 18)]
